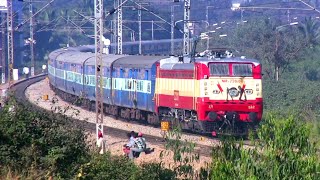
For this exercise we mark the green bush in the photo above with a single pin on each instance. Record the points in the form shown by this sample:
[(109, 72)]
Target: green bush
[(155, 171), (111, 167), (283, 151), (40, 143), (108, 167), (182, 152)]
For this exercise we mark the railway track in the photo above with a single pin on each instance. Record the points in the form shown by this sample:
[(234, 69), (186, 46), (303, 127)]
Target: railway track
[(19, 92)]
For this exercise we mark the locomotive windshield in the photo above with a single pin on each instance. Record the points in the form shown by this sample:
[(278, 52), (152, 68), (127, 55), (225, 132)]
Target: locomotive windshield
[(219, 69), (223, 69), (241, 70)]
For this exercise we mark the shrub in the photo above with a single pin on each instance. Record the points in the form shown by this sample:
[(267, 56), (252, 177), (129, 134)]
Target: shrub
[(40, 142), (182, 152), (155, 171), (108, 167), (283, 151)]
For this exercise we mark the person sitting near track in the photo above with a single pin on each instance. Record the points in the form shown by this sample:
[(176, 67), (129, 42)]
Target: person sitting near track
[(131, 143), (143, 141), (137, 148)]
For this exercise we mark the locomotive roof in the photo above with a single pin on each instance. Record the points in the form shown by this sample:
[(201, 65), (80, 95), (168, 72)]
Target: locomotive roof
[(178, 66), (206, 60), (137, 61)]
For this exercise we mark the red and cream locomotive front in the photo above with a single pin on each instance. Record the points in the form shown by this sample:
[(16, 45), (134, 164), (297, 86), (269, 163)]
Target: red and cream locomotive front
[(230, 89)]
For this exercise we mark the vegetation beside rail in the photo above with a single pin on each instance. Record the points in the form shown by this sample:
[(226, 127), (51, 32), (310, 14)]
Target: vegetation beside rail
[(42, 145)]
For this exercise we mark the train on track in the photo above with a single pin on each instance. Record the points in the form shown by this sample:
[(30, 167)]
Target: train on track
[(211, 93)]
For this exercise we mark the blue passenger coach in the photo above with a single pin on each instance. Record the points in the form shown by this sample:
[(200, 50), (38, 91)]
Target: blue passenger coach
[(128, 80), (132, 82)]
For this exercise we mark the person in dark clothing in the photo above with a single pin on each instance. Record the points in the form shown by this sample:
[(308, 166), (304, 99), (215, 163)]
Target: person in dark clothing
[(143, 141), (137, 148)]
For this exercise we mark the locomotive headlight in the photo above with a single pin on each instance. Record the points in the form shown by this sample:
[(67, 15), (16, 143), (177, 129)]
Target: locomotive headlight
[(205, 88), (249, 91), (215, 91), (257, 87)]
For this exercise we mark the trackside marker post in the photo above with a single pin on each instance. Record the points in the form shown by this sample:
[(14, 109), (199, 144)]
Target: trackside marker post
[(164, 128)]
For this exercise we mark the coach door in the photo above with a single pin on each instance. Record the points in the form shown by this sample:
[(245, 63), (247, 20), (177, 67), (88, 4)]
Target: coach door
[(133, 90)]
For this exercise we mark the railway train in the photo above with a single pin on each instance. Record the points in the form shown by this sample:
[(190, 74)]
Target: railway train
[(213, 93)]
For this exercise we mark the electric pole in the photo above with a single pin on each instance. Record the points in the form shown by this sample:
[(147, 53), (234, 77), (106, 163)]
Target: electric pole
[(152, 29), (3, 43), (139, 18), (119, 27), (31, 39), (114, 29), (172, 29), (98, 29), (186, 34), (10, 41)]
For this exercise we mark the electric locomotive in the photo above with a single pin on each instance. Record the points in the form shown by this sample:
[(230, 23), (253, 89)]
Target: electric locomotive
[(216, 92)]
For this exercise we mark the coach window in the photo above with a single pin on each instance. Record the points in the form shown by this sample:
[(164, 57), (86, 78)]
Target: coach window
[(85, 80), (114, 84), (105, 82), (241, 69), (149, 87), (92, 80), (219, 69)]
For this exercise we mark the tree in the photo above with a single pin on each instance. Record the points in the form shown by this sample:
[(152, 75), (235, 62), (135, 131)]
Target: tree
[(264, 40), (311, 31)]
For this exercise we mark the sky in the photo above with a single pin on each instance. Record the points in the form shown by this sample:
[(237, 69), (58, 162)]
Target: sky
[(3, 3)]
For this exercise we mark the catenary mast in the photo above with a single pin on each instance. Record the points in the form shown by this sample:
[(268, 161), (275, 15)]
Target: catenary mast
[(98, 22), (3, 34), (31, 39), (186, 34), (119, 28), (10, 41)]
